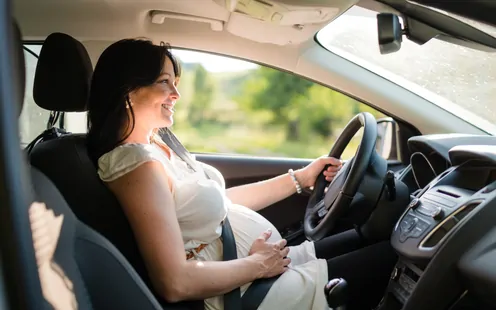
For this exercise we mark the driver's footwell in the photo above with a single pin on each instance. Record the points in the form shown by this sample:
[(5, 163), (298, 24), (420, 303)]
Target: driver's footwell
[(367, 271)]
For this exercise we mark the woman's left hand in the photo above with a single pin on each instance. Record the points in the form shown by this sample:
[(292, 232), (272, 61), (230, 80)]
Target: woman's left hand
[(308, 175)]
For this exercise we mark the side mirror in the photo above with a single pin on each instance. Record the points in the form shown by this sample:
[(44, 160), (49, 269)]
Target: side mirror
[(389, 32), (386, 138)]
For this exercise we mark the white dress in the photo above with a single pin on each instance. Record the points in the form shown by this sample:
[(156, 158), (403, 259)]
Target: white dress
[(201, 205)]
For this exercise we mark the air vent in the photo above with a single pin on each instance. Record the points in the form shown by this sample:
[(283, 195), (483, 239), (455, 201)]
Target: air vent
[(448, 193), (440, 231)]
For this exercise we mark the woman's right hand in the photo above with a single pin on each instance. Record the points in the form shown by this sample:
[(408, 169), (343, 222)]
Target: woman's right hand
[(271, 256)]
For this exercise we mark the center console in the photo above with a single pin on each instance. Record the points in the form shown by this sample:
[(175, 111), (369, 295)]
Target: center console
[(427, 222)]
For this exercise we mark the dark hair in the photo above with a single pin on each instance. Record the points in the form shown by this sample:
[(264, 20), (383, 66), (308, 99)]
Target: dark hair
[(124, 66)]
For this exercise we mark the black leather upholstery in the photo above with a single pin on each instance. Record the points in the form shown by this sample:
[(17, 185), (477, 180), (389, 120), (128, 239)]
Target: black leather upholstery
[(76, 178), (65, 160), (63, 75)]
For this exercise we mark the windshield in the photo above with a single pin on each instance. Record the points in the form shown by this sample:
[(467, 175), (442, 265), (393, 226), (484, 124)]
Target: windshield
[(459, 79)]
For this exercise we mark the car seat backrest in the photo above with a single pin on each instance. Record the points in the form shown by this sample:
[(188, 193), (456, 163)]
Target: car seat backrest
[(92, 269)]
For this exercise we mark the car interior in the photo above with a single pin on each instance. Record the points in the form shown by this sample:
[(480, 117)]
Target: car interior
[(423, 180)]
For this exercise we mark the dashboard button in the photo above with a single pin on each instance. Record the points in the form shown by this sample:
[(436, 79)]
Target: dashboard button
[(417, 232), (425, 209), (404, 225), (414, 203), (408, 223), (403, 237), (395, 274), (423, 225), (437, 213), (430, 210)]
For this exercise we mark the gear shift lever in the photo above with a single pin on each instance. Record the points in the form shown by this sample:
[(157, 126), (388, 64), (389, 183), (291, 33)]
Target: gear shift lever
[(336, 293)]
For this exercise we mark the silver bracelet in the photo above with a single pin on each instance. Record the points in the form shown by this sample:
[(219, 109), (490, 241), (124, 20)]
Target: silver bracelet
[(295, 181)]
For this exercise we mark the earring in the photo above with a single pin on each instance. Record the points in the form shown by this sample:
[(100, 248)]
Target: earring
[(129, 104)]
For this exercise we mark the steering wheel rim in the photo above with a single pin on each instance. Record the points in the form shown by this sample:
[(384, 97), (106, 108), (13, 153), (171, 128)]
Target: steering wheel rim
[(324, 208)]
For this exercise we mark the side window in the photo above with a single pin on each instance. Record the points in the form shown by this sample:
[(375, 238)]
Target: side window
[(33, 119), (236, 107)]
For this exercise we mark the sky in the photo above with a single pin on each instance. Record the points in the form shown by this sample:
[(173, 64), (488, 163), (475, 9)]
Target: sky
[(214, 63)]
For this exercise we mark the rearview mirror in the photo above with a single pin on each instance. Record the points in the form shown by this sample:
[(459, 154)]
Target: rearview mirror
[(389, 32), (386, 138)]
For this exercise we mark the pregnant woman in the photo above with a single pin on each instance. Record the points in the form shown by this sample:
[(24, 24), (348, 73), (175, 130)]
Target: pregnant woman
[(174, 209)]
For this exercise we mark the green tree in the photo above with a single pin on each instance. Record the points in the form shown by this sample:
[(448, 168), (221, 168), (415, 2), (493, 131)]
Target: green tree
[(203, 93), (278, 92), (304, 109), (328, 110)]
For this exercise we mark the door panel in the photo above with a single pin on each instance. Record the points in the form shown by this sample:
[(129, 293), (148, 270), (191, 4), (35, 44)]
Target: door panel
[(235, 168)]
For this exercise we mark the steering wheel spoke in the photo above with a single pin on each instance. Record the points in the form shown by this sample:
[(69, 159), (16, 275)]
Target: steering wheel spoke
[(321, 209)]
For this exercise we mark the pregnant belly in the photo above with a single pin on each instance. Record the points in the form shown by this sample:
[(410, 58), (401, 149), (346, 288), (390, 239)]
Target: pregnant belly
[(247, 226)]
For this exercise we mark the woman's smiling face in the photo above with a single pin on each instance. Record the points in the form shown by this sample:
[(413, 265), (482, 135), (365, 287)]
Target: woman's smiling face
[(153, 105)]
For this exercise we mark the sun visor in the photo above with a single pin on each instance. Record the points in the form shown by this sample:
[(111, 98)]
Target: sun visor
[(278, 22), (260, 31)]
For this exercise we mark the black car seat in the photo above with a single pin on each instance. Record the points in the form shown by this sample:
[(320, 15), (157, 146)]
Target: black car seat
[(62, 83), (95, 275), (99, 275)]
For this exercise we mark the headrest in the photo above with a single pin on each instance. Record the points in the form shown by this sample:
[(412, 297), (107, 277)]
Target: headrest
[(63, 75), (19, 65)]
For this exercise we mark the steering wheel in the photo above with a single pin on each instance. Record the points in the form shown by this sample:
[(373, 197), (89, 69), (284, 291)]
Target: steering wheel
[(325, 207)]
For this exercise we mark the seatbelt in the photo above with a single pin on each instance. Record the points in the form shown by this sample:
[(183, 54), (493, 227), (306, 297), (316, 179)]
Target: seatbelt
[(51, 132), (48, 134), (259, 288), (232, 299), (256, 292), (173, 143)]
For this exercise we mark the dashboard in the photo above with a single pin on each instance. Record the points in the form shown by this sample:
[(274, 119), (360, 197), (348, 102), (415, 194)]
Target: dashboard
[(446, 237)]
